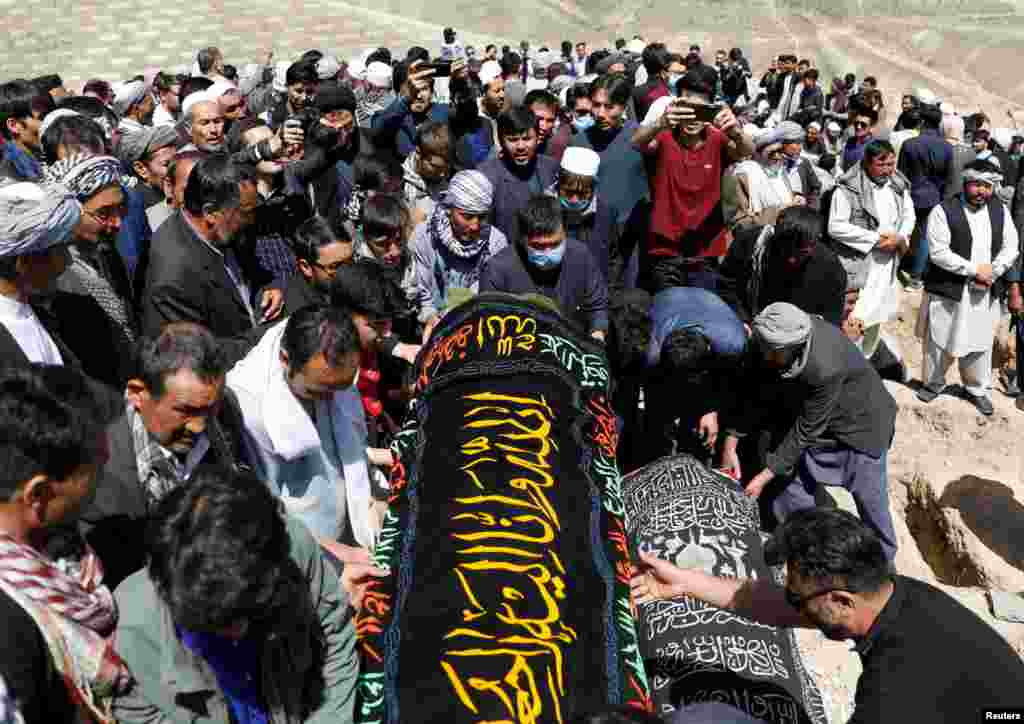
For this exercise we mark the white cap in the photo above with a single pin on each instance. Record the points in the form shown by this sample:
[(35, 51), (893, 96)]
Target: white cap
[(327, 67), (636, 46), (220, 88), (379, 75), (581, 161), (192, 99), (281, 76), (834, 127), (489, 71), (948, 109), (926, 97)]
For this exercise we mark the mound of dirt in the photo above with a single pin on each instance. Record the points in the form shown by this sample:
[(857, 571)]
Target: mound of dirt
[(957, 498)]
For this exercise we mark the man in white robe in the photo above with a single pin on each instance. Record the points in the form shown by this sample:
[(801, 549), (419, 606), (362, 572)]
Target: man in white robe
[(962, 304), (872, 217)]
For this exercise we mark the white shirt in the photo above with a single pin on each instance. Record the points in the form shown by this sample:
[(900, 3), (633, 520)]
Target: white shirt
[(966, 326), (30, 334), (163, 117), (657, 109), (880, 298)]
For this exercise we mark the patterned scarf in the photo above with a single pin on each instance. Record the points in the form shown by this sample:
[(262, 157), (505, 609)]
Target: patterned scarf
[(758, 269), (86, 175), (94, 274), (76, 614)]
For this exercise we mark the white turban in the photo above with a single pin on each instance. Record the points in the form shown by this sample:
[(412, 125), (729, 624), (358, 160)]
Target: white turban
[(129, 95)]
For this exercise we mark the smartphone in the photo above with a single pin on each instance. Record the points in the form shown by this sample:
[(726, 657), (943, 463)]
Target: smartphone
[(441, 70), (705, 112)]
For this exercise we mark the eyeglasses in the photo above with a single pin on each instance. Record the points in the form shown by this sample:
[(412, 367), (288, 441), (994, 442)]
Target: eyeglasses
[(798, 602), (108, 214)]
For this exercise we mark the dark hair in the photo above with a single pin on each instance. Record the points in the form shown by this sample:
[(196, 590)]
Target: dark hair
[(47, 83), (812, 74), (794, 225), (877, 147), (19, 99), (827, 162), (213, 185), (931, 116), (381, 55), (618, 715), (870, 79), (696, 49), (47, 424), (620, 43), (543, 96), (367, 288), (371, 173), (384, 215), (616, 85), (192, 85), (449, 35), (219, 552), (575, 92), (163, 82), (179, 346), (301, 72), (93, 108), (694, 82), (830, 544), (804, 61), (735, 54), (319, 328), (76, 133), (491, 45), (206, 57), (516, 121), (230, 73), (511, 63), (595, 59), (542, 216), (417, 53), (850, 79), (315, 233), (871, 113), (312, 56), (983, 166), (98, 86), (912, 118), (685, 350), (655, 58), (172, 165), (435, 137)]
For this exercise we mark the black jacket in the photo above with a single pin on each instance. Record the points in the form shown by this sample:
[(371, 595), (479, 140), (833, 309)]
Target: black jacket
[(332, 188), (299, 294), (11, 353), (114, 522), (186, 282), (819, 288), (836, 399)]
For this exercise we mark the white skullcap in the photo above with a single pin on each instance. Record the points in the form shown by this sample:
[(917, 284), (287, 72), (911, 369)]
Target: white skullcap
[(815, 125), (281, 75), (926, 97), (635, 46), (191, 99), (378, 75), (581, 161), (834, 127), (489, 71), (219, 88), (327, 67)]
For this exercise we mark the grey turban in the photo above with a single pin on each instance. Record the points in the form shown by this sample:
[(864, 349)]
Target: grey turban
[(35, 217), (469, 191), (128, 96), (781, 326), (135, 144)]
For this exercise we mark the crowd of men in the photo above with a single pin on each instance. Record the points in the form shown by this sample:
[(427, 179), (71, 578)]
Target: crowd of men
[(214, 284)]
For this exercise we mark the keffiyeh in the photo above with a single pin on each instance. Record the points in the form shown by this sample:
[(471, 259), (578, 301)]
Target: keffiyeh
[(85, 176), (469, 191), (986, 177)]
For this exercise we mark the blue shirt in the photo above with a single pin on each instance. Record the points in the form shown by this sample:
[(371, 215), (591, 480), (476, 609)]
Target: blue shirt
[(236, 664), (682, 307), (27, 167)]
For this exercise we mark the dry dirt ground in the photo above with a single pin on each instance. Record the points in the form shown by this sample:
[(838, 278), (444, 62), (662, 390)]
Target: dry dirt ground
[(957, 499)]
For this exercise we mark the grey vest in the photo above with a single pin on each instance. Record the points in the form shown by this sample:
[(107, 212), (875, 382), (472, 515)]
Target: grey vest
[(857, 187)]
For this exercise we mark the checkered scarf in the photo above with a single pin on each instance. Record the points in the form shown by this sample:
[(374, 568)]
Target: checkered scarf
[(156, 472), (86, 175)]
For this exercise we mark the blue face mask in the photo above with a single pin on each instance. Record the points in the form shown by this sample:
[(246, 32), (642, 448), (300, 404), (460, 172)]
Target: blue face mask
[(546, 259), (580, 205), (582, 124)]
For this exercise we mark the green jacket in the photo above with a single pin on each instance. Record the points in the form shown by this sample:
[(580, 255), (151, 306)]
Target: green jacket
[(173, 686)]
